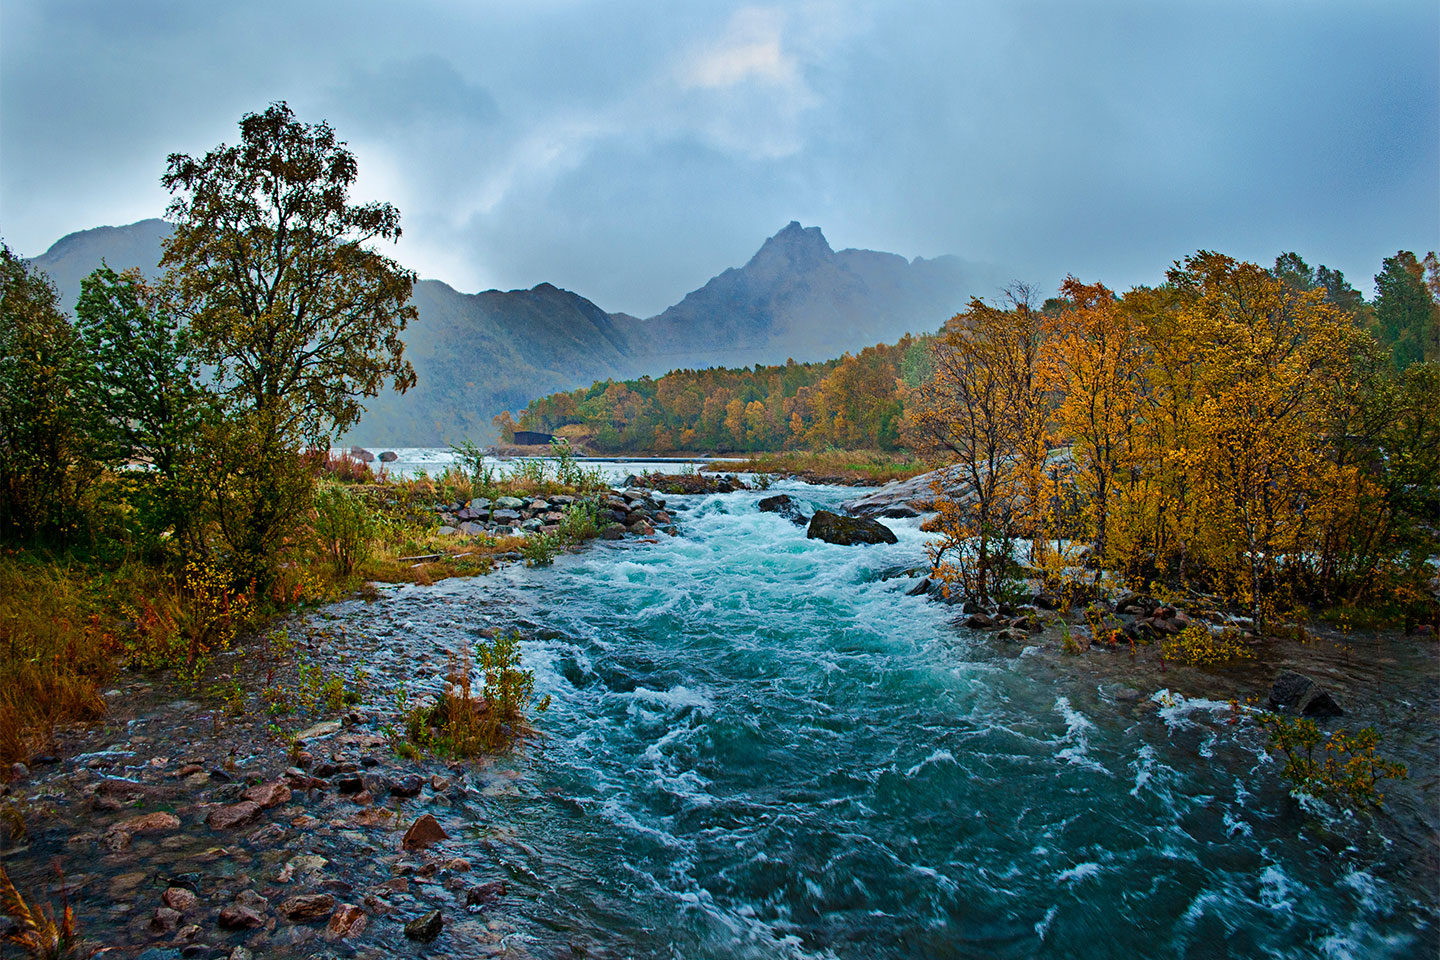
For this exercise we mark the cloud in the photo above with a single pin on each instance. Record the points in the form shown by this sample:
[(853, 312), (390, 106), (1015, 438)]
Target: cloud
[(750, 50)]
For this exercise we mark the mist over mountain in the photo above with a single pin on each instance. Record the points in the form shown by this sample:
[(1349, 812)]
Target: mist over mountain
[(477, 354)]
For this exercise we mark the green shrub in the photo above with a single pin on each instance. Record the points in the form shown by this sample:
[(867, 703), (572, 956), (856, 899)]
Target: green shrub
[(1198, 646), (579, 522), (344, 528), (1347, 771), (539, 549)]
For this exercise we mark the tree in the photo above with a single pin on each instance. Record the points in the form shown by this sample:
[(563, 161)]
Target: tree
[(1097, 359), (983, 411), (270, 265), (1407, 313), (147, 379), (47, 454), (1261, 392)]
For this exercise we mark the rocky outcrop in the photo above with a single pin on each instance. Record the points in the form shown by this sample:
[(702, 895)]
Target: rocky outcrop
[(632, 511), (907, 497), (847, 531), (1297, 694), (786, 506)]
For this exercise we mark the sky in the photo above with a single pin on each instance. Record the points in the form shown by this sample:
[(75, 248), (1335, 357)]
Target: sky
[(631, 150)]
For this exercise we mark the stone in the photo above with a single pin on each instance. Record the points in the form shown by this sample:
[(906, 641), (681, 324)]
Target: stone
[(178, 898), (423, 832), (350, 785), (479, 504), (782, 504), (407, 786), (509, 503), (980, 621), (347, 921), (613, 531), (641, 528), (308, 906), (389, 456), (486, 894), (236, 815), (507, 517), (164, 919), (1013, 635), (920, 589), (1297, 694), (847, 531), (323, 729), (471, 529), (237, 917), (445, 530), (425, 927), (269, 794)]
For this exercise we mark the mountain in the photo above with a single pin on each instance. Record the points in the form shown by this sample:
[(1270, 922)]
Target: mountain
[(71, 258), (797, 297), (477, 354)]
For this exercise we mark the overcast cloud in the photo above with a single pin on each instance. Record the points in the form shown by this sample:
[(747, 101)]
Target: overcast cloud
[(630, 150)]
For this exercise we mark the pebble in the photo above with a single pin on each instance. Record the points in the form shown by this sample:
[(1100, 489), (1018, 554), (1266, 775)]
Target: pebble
[(423, 832), (235, 815), (347, 921), (425, 927)]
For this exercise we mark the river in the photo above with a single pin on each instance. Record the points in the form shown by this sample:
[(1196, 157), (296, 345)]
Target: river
[(758, 747)]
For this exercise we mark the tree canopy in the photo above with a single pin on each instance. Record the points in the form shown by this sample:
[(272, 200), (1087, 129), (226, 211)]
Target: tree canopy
[(270, 265)]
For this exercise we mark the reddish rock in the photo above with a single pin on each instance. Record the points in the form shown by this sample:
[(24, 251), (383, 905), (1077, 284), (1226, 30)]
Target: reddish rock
[(164, 920), (178, 898), (235, 815), (308, 906), (236, 917), (269, 794), (150, 823), (424, 832), (348, 920)]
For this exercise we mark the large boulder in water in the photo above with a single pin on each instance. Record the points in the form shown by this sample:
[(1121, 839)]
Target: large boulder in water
[(1297, 694), (786, 506), (833, 528)]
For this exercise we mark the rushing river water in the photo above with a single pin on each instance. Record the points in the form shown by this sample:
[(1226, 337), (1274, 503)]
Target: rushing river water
[(759, 748)]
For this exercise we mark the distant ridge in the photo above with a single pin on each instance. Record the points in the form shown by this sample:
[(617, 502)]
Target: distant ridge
[(478, 354)]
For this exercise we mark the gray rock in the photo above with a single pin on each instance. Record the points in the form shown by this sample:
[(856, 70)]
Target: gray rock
[(847, 531), (479, 503), (509, 503), (784, 505), (445, 530), (470, 529), (425, 927), (505, 515), (1297, 694), (389, 456)]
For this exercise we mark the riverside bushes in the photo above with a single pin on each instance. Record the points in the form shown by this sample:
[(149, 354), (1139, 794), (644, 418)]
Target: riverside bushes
[(1347, 771), (462, 724), (1233, 431)]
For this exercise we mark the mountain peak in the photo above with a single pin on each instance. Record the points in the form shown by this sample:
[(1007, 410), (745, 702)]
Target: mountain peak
[(793, 248)]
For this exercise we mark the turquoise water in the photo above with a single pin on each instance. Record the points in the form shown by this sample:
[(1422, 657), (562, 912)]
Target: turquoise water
[(759, 747)]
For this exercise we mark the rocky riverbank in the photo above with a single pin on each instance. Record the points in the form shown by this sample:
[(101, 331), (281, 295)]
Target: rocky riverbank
[(617, 513)]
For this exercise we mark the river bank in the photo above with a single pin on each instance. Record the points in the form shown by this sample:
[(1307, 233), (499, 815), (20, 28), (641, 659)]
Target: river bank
[(760, 745)]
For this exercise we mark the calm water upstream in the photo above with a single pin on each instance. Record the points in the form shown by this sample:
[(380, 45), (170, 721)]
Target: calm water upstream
[(759, 748)]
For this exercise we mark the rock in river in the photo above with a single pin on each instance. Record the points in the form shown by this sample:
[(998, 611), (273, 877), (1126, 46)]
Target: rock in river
[(1297, 694), (425, 927), (833, 528), (786, 506)]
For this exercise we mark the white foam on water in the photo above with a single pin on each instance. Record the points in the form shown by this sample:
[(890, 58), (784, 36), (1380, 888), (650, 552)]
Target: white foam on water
[(1043, 926), (1079, 872), (937, 756), (1077, 734)]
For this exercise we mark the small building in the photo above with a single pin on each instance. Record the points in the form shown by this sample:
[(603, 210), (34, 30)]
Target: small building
[(532, 438)]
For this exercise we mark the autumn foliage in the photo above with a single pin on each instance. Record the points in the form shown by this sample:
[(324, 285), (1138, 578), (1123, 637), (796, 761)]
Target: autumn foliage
[(1228, 430)]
